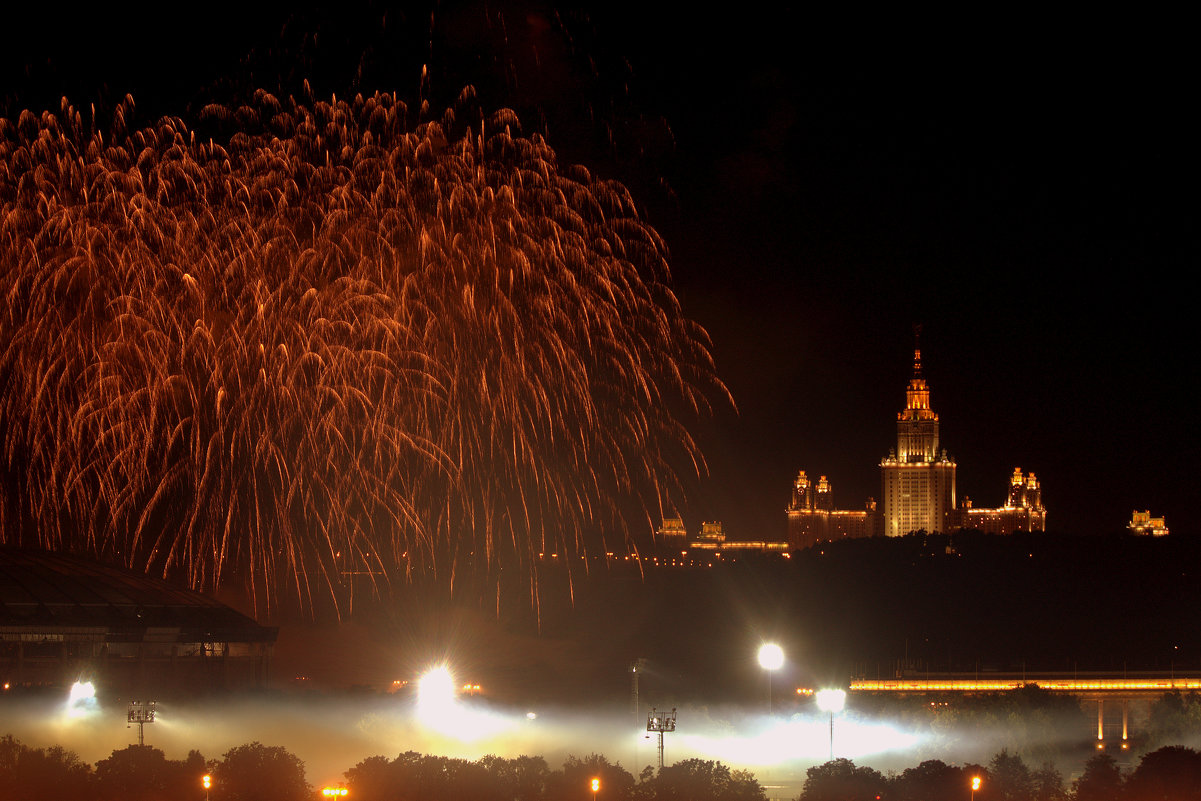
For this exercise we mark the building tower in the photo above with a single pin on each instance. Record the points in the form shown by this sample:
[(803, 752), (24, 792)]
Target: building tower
[(918, 478)]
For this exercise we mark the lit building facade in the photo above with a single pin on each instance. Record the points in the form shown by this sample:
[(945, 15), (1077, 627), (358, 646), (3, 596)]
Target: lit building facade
[(1023, 509), (812, 517), (1144, 524), (917, 489), (673, 536), (712, 539), (918, 479)]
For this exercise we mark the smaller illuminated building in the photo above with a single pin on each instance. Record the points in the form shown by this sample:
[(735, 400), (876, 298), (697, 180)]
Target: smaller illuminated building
[(712, 539), (1023, 509), (1143, 524), (812, 517), (673, 537)]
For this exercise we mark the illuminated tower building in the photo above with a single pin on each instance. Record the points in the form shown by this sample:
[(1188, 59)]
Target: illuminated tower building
[(918, 478), (919, 489)]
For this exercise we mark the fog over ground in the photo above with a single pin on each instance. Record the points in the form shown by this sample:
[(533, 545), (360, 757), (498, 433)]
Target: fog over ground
[(333, 732)]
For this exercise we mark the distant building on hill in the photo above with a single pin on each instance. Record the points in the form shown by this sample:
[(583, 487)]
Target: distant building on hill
[(917, 488), (813, 518), (1143, 523), (672, 535), (711, 539), (1023, 509)]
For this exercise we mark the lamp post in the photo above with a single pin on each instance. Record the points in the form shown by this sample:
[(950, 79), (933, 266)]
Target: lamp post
[(595, 788), (207, 782), (771, 659), (831, 701), (975, 786)]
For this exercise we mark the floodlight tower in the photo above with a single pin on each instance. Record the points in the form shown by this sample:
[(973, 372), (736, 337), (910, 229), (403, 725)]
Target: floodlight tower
[(141, 713), (636, 669), (831, 701), (660, 724)]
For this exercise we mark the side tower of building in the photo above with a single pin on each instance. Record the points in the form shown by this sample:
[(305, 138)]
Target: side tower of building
[(918, 479), (1023, 509), (812, 517)]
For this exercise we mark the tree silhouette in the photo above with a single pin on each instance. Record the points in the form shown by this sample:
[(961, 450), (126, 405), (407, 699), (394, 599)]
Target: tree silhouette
[(257, 772), (932, 780), (48, 773), (1167, 774), (522, 778), (1009, 779), (700, 780), (842, 780), (1101, 780), (143, 773), (573, 783)]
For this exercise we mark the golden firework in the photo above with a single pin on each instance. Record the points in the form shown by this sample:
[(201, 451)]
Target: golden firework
[(328, 344)]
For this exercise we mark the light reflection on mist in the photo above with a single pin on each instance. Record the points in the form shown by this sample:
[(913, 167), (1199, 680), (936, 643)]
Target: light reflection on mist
[(333, 733), (801, 738)]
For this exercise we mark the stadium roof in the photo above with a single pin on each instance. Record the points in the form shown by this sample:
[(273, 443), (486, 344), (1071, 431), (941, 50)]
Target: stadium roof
[(45, 590)]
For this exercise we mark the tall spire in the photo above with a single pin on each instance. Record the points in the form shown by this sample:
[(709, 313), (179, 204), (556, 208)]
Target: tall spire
[(917, 350), (917, 395)]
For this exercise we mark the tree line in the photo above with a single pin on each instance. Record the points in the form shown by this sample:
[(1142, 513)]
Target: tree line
[(1171, 773), (257, 772)]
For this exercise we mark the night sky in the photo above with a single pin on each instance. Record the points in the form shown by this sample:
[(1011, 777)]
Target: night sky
[(1021, 187)]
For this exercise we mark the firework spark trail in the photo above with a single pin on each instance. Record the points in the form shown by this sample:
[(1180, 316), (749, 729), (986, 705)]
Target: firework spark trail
[(328, 343)]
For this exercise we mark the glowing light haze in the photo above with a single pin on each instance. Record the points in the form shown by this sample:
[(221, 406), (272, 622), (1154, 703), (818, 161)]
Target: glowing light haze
[(333, 734), (311, 341), (831, 701)]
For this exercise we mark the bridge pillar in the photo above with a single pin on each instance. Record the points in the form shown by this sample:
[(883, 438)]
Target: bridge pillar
[(1125, 723)]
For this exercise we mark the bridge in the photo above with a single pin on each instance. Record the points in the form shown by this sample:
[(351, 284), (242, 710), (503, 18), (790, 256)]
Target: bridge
[(1111, 691)]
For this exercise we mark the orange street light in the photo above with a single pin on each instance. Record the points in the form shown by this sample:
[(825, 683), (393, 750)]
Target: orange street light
[(975, 786), (333, 792), (206, 781), (595, 787)]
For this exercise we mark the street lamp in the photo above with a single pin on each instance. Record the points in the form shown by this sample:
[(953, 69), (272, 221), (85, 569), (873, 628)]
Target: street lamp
[(595, 788), (207, 782), (975, 786), (771, 658), (831, 701)]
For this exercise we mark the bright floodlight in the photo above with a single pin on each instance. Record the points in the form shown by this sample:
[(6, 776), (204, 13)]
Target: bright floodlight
[(436, 686), (436, 695), (81, 699), (831, 700), (771, 656), (81, 692)]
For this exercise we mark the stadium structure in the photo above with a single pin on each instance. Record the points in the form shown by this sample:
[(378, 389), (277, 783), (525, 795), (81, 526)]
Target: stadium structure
[(66, 618)]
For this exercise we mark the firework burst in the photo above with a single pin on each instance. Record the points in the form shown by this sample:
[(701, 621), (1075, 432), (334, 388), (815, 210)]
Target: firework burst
[(316, 342)]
